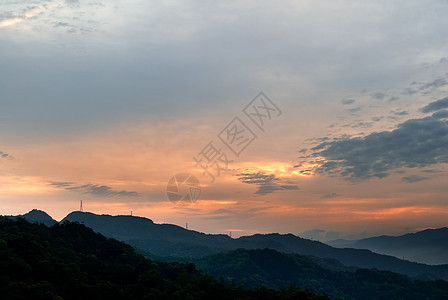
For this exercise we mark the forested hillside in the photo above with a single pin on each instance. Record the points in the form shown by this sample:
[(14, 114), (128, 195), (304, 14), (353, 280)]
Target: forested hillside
[(172, 240), (273, 269), (71, 261)]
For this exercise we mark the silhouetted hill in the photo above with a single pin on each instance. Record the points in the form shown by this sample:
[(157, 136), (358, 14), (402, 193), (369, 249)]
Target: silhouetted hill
[(171, 240), (37, 216), (277, 270), (71, 261), (160, 239), (428, 246)]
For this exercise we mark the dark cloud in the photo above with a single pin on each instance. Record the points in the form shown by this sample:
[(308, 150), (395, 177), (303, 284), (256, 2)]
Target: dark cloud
[(331, 195), (391, 99), (378, 95), (409, 91), (377, 119), (432, 171), (413, 178), (354, 110), (61, 184), (266, 183), (415, 143), (104, 191), (93, 189), (62, 24), (425, 88), (440, 82), (4, 154), (362, 124), (443, 114), (401, 113), (6, 15), (347, 101), (436, 105)]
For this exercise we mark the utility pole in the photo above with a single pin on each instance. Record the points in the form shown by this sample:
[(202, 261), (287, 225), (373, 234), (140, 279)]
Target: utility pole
[(80, 207)]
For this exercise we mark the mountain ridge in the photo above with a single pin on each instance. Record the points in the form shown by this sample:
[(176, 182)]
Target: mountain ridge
[(429, 246), (172, 240), (175, 241)]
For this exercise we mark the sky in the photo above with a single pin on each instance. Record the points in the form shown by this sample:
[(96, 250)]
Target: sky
[(323, 119)]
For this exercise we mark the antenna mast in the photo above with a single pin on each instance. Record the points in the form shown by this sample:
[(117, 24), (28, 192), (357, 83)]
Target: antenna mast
[(80, 207)]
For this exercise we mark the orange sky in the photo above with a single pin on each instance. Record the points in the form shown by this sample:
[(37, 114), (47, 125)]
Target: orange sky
[(142, 157)]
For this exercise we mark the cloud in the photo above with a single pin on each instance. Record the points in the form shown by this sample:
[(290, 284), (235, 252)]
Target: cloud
[(354, 110), (347, 101), (93, 189), (413, 178), (425, 88), (105, 191), (409, 91), (391, 99), (436, 105), (27, 13), (401, 113), (331, 195), (378, 95), (61, 184), (4, 155), (415, 143), (440, 82), (361, 124), (443, 114), (377, 119), (267, 183), (62, 24)]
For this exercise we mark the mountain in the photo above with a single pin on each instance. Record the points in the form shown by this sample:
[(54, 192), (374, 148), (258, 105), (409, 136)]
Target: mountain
[(37, 216), (171, 240), (428, 246), (159, 239), (273, 269), (71, 261)]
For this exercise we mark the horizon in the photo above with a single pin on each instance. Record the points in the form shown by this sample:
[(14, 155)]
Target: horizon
[(324, 119), (231, 235)]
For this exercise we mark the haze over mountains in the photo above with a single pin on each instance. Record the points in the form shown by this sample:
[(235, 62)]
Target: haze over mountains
[(174, 241), (428, 246)]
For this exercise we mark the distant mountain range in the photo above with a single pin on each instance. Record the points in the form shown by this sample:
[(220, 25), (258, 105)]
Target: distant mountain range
[(171, 240), (428, 246)]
